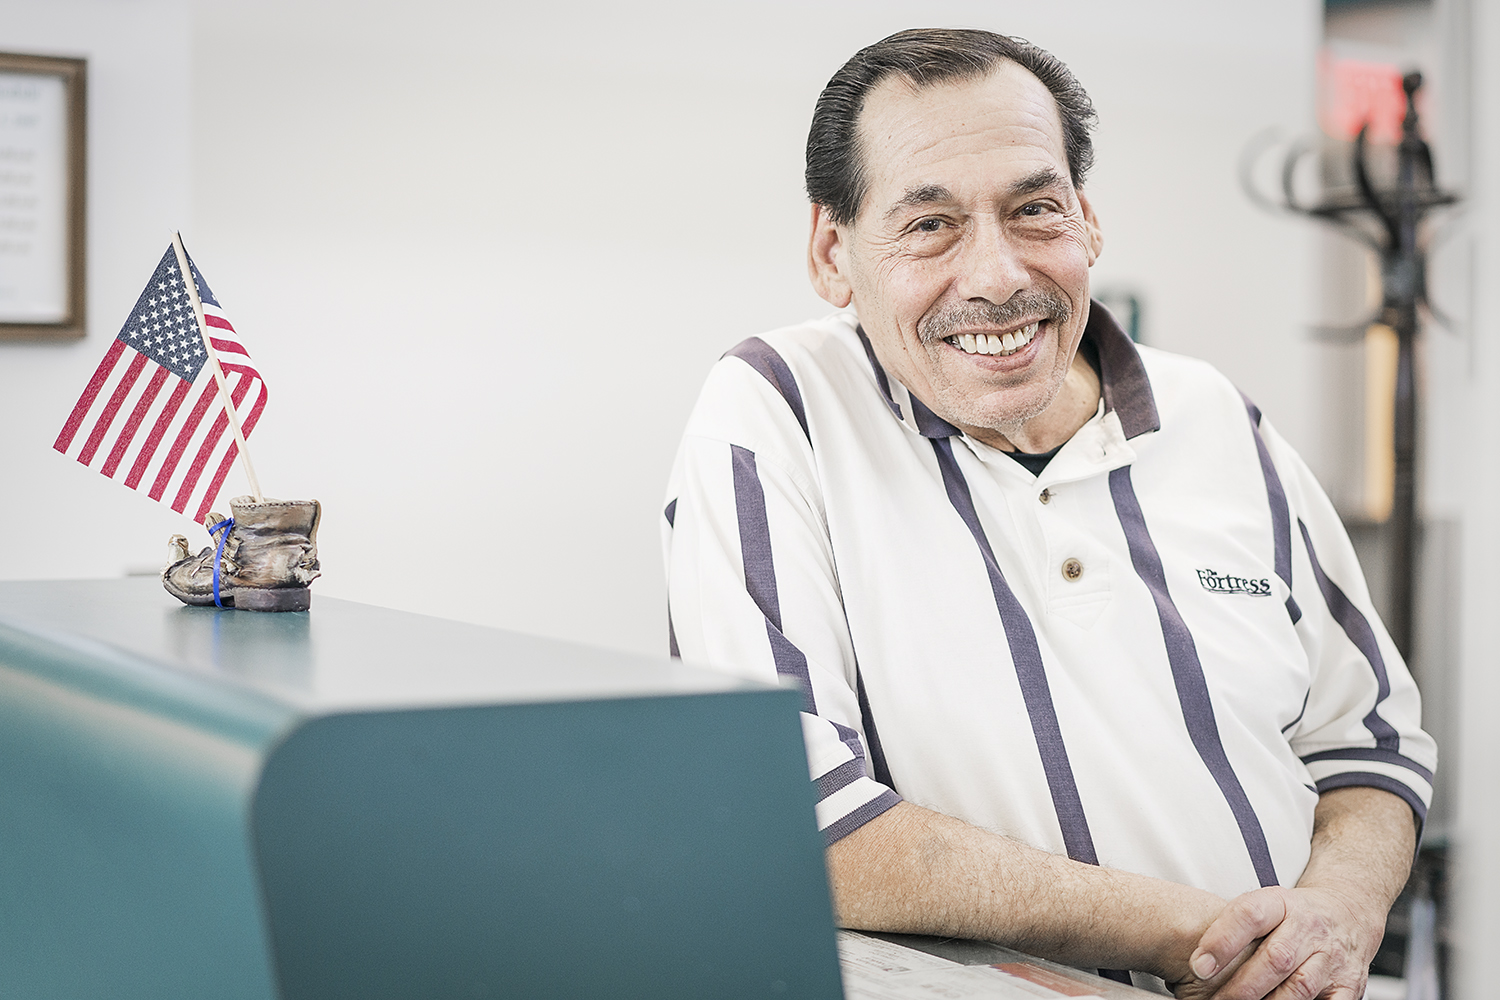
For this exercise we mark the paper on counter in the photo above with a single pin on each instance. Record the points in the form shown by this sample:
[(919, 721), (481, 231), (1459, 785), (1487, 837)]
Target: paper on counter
[(879, 970), (862, 956)]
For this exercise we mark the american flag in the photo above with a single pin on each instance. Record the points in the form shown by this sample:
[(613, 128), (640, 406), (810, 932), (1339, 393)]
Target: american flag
[(151, 418)]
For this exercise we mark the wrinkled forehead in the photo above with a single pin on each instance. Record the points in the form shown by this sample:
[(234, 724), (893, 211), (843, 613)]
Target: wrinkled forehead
[(1003, 123)]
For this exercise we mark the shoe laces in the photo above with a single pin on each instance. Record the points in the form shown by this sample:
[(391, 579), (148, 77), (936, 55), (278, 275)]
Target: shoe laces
[(225, 524)]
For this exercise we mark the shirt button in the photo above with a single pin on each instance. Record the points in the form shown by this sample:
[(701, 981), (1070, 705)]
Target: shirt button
[(1046, 496), (1072, 569)]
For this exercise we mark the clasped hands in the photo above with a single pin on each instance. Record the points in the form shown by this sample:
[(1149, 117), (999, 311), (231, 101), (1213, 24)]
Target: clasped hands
[(1285, 944)]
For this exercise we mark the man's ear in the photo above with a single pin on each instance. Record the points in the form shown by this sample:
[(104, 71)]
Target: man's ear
[(825, 256), (1095, 235)]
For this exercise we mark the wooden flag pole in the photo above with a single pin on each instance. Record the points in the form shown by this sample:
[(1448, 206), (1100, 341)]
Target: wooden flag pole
[(213, 359)]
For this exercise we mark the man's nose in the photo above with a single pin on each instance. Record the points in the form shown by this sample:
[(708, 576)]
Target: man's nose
[(990, 266)]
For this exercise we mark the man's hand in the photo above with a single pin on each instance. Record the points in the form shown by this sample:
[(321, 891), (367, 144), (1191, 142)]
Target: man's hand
[(1311, 943), (1316, 940)]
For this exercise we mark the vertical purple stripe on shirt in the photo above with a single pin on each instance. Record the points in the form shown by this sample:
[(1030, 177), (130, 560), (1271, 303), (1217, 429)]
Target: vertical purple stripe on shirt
[(1187, 674), (881, 771), (1301, 713), (929, 424), (755, 534), (1357, 627), (1281, 518), (671, 516), (880, 377), (763, 358), (760, 569), (1027, 658)]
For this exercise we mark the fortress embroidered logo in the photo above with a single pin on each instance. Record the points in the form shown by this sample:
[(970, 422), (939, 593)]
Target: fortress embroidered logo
[(1223, 583)]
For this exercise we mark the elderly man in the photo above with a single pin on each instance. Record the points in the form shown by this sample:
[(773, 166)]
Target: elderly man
[(1087, 661)]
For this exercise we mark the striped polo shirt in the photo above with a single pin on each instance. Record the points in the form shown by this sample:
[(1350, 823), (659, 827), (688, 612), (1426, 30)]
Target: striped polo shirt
[(1153, 656)]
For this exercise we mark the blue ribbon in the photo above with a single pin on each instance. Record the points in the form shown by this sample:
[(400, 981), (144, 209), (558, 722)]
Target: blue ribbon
[(225, 524)]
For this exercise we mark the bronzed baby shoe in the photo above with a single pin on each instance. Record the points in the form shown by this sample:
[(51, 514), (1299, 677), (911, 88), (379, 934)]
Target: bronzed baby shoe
[(272, 554), (190, 578), (265, 556)]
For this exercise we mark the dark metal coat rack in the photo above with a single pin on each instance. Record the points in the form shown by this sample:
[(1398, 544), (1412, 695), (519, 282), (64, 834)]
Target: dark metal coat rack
[(1397, 216)]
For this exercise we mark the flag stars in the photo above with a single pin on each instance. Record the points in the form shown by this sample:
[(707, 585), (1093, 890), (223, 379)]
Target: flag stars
[(164, 326)]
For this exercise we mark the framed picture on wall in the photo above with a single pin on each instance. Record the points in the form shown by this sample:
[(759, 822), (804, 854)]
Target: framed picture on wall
[(42, 255)]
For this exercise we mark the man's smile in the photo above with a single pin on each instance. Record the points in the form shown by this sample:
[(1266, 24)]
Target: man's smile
[(1002, 345)]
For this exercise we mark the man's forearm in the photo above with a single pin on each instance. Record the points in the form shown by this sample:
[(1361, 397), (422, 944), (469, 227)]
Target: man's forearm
[(1362, 846), (913, 870)]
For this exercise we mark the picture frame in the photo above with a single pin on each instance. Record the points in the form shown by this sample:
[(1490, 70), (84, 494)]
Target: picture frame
[(43, 156)]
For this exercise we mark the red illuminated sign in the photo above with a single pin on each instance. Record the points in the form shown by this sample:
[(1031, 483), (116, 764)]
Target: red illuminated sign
[(1353, 92)]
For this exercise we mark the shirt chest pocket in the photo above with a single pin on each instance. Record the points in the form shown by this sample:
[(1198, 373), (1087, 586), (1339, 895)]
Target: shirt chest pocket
[(1077, 579)]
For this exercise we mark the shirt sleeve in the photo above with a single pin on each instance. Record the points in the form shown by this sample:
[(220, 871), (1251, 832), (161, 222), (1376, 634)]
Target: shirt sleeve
[(1361, 722), (751, 580)]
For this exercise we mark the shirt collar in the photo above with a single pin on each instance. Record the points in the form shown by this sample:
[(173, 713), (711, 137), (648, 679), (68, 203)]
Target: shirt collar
[(1122, 374), (1122, 377)]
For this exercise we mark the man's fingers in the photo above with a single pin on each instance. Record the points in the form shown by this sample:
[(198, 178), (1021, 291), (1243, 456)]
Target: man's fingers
[(1310, 979), (1280, 960), (1194, 989), (1247, 917), (1321, 976)]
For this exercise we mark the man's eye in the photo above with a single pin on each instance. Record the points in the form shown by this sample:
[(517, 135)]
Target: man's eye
[(1035, 208), (929, 225)]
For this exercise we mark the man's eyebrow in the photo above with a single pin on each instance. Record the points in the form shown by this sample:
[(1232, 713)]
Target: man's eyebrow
[(1034, 182), (931, 194), (927, 194)]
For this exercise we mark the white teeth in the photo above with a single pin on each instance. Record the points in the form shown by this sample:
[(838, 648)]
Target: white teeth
[(990, 343)]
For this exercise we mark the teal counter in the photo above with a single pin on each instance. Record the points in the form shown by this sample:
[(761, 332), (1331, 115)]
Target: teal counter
[(356, 802)]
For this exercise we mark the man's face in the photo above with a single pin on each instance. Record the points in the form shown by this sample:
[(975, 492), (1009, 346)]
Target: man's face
[(970, 230)]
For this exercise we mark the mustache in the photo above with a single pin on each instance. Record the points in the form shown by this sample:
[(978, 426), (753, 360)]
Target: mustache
[(1024, 304)]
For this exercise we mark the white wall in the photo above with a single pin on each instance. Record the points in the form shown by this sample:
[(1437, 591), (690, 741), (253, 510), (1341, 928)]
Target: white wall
[(485, 254), (57, 519), (1476, 878)]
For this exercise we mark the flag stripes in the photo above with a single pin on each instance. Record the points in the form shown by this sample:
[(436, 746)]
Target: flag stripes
[(151, 416), (90, 393), (230, 454), (132, 373), (164, 420), (133, 422), (188, 429)]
